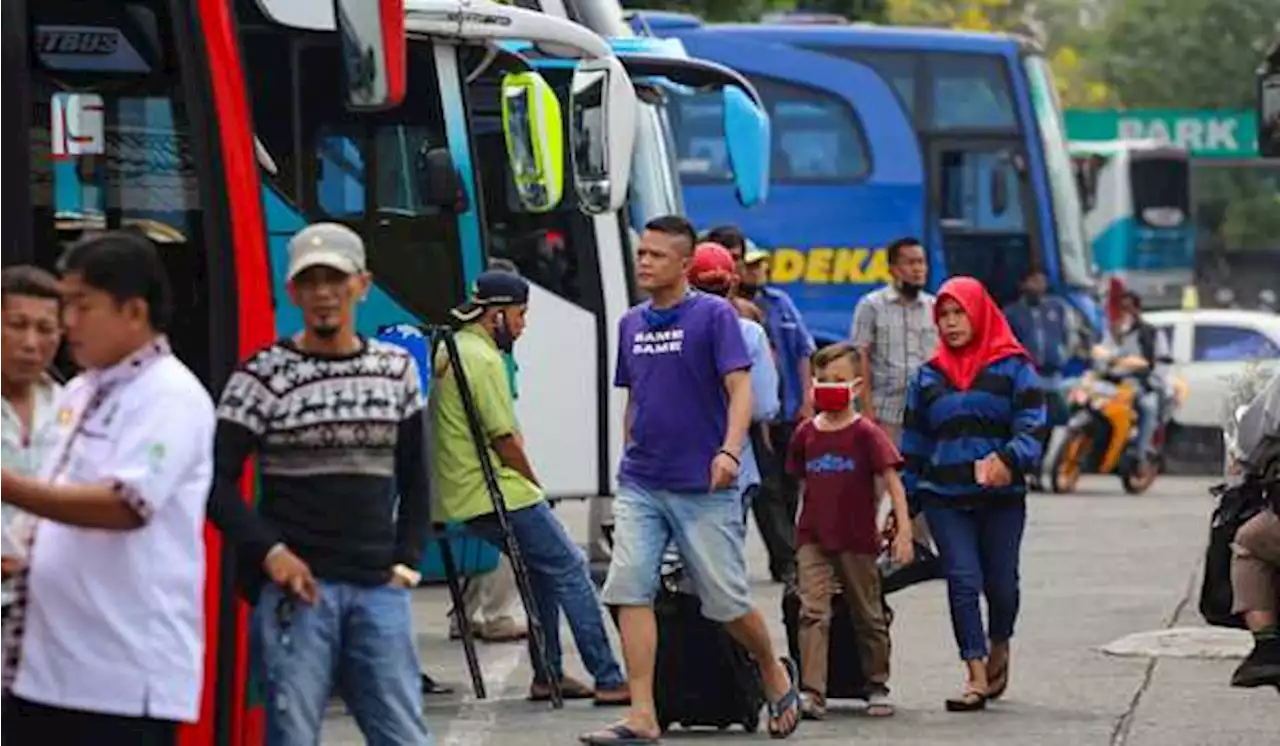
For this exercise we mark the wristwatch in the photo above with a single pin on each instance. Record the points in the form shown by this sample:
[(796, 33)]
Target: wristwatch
[(410, 576)]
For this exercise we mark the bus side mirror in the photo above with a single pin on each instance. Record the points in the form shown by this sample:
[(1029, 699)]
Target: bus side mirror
[(1269, 113), (374, 49), (746, 130), (439, 183), (602, 133), (532, 127)]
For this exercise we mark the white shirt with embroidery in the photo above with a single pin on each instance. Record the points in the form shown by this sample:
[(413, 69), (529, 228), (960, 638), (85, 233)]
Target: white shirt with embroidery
[(24, 452), (115, 619)]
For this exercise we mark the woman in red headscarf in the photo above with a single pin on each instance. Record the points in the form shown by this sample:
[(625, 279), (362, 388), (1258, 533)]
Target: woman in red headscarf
[(973, 426)]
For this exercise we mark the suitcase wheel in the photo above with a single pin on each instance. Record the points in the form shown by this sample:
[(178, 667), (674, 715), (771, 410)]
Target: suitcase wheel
[(751, 724)]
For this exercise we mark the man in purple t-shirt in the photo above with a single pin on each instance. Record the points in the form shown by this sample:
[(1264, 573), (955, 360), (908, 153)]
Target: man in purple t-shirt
[(683, 361)]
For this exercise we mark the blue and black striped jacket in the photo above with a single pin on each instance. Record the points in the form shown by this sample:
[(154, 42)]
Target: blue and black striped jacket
[(945, 430)]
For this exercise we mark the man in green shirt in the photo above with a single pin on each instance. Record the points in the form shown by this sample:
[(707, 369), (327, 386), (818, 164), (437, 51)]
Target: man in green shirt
[(492, 321)]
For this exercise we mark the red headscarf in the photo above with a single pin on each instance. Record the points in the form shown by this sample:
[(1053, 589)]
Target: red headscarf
[(1115, 294), (992, 338)]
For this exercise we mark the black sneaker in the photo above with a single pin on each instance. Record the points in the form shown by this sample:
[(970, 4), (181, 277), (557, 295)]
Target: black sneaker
[(1262, 667)]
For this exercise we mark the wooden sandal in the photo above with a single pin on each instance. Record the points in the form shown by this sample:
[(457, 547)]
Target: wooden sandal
[(970, 700)]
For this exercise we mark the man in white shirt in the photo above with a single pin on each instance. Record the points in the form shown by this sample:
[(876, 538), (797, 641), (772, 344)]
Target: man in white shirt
[(31, 328), (111, 635)]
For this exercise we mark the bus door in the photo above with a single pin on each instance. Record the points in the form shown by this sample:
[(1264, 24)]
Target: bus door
[(846, 173), (980, 204)]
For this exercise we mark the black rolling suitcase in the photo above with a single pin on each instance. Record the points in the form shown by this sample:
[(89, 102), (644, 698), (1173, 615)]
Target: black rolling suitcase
[(703, 677)]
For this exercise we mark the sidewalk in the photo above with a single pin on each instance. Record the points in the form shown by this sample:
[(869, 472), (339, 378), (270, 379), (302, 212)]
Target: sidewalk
[(1096, 567)]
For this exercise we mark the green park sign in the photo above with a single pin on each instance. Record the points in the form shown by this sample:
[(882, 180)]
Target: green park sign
[(1204, 133)]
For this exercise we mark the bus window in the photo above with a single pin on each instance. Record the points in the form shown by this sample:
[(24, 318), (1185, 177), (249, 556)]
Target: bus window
[(968, 182), (969, 91), (111, 148), (340, 164), (816, 137), (700, 138), (326, 157), (898, 69), (1160, 187), (1073, 251)]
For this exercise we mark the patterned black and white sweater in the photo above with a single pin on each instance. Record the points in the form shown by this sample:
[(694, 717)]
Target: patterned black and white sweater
[(336, 438)]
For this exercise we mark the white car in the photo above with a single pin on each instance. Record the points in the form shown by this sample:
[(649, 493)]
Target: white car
[(1211, 349)]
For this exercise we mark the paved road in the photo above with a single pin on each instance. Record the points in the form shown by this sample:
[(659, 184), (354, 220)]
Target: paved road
[(1096, 566)]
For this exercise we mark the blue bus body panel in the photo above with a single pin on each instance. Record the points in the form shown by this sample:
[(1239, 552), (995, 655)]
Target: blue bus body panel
[(1111, 246), (1126, 245), (825, 215), (828, 238)]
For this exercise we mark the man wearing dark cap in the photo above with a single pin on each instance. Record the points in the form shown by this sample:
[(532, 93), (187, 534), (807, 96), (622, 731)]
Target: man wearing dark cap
[(492, 320)]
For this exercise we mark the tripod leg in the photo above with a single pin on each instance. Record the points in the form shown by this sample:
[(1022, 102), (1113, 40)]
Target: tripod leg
[(445, 336), (463, 618), (537, 633)]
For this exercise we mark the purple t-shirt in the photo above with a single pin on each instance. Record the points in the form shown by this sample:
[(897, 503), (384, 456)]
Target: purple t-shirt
[(674, 362)]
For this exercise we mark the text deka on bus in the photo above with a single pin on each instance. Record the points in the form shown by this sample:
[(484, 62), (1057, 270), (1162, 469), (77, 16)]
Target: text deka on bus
[(822, 265)]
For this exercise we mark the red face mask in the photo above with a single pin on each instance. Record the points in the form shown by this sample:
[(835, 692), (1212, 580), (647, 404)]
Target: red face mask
[(832, 397)]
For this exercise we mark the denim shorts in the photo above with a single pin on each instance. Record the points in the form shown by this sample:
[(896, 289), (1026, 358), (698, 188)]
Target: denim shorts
[(708, 530)]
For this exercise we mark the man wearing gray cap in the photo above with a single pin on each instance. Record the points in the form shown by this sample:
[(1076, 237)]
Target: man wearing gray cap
[(337, 423)]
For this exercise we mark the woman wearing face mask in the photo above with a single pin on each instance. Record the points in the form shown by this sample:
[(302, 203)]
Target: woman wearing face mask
[(972, 429), (839, 458)]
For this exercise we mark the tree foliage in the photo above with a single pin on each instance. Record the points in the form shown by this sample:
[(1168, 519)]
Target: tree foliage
[(1195, 54), (1054, 23)]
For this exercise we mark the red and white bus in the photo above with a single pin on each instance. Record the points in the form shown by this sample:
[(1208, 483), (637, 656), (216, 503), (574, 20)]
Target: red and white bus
[(137, 113)]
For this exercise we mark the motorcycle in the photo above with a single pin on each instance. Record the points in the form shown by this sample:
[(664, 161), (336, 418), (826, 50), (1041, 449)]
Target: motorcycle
[(1101, 434)]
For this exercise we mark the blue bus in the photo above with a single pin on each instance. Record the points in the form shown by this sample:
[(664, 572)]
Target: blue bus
[(877, 133), (1138, 218)]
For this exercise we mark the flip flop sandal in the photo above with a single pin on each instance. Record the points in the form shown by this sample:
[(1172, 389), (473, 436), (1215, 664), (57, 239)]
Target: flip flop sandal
[(998, 681), (879, 709), (616, 735), (789, 703), (970, 700), (569, 689)]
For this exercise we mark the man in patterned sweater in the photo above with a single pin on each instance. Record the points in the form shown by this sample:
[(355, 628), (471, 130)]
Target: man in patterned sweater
[(336, 422)]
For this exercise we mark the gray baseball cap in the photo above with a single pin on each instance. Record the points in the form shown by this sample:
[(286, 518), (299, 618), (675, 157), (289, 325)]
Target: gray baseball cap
[(326, 245)]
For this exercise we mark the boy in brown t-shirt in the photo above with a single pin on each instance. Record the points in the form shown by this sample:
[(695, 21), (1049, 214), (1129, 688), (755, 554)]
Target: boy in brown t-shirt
[(840, 457)]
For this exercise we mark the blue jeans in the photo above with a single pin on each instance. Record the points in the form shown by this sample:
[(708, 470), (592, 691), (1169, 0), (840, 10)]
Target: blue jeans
[(980, 550), (710, 534), (1148, 417), (561, 579), (357, 640)]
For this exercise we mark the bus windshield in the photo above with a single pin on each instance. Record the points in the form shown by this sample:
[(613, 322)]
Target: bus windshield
[(361, 171), (1159, 183), (111, 146), (654, 189), (1073, 251)]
